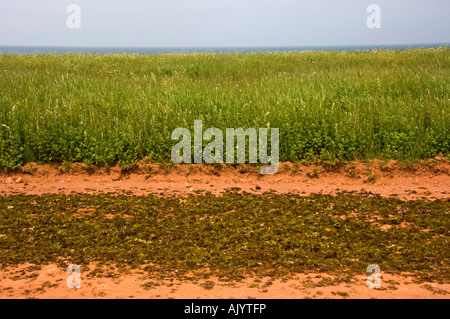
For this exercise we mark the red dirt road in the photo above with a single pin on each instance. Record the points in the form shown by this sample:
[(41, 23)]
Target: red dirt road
[(391, 179), (428, 180), (51, 282)]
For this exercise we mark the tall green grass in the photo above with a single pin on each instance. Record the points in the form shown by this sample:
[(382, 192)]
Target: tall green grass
[(107, 109)]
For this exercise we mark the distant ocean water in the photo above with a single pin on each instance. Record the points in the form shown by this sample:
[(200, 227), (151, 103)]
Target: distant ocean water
[(154, 50)]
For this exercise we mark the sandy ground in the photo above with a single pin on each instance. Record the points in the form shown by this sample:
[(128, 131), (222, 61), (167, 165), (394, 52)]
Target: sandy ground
[(51, 282), (427, 180), (389, 179)]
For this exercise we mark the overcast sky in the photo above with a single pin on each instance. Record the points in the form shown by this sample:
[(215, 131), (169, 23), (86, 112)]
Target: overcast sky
[(213, 23)]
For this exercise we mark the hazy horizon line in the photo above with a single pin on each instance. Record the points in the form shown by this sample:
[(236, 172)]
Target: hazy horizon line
[(228, 46)]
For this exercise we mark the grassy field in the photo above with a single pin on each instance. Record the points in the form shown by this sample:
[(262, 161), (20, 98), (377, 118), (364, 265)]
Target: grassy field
[(107, 109)]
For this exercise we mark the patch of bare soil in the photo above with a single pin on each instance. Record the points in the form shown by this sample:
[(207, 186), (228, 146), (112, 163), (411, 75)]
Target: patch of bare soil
[(47, 282), (430, 179)]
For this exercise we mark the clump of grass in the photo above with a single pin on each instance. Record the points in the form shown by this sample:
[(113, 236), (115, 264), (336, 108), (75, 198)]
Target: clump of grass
[(371, 178), (315, 173), (353, 173), (29, 169), (208, 285), (65, 167)]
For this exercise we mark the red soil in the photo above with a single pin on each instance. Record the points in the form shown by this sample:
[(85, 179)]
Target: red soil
[(391, 179), (426, 180), (51, 282)]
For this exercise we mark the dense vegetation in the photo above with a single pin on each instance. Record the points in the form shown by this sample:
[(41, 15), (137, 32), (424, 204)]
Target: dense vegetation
[(107, 109), (230, 234)]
